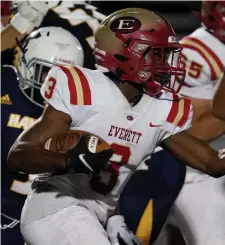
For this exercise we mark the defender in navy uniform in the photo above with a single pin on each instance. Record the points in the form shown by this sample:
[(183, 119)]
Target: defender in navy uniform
[(17, 114), (149, 195), (21, 105)]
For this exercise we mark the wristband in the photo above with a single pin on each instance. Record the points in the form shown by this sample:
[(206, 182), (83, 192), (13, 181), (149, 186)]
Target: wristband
[(21, 24), (221, 153)]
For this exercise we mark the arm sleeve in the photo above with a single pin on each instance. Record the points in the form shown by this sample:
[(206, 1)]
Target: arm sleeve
[(55, 90), (179, 116), (187, 122)]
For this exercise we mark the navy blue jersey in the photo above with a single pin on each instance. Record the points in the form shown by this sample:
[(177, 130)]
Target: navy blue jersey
[(153, 191), (17, 114)]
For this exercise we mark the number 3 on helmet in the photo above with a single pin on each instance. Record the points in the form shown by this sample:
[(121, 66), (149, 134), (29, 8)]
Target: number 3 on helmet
[(140, 46)]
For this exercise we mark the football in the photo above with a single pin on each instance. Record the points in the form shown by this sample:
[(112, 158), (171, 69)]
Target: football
[(68, 140)]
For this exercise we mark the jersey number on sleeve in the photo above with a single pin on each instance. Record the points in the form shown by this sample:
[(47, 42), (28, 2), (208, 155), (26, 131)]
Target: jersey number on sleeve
[(51, 86), (105, 183), (194, 70)]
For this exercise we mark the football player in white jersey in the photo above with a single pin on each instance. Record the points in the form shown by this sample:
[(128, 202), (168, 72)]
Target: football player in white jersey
[(219, 101), (133, 107), (199, 210)]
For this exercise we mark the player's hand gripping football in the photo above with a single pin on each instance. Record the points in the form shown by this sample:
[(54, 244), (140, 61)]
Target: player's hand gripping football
[(81, 160), (119, 233)]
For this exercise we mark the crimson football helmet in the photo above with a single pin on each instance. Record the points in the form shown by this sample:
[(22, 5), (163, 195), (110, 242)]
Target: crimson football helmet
[(140, 46), (213, 17)]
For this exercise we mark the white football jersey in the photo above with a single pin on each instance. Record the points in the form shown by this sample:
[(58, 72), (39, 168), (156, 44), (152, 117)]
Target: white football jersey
[(95, 104), (203, 58)]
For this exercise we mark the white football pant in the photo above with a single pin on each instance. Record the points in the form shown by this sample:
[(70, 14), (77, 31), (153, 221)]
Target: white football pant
[(199, 213), (72, 225)]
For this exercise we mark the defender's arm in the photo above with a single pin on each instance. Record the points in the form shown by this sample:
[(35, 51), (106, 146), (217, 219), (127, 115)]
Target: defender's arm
[(8, 37), (30, 15)]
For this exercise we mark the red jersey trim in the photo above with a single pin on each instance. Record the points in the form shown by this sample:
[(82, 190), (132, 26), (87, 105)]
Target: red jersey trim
[(80, 92), (215, 64), (179, 111)]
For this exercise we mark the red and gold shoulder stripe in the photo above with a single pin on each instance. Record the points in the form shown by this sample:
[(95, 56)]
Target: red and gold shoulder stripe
[(214, 62), (80, 92), (179, 111)]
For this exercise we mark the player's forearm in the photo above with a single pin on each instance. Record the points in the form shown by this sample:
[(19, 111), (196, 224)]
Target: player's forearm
[(32, 159), (207, 127), (8, 37), (219, 101), (196, 154), (28, 156)]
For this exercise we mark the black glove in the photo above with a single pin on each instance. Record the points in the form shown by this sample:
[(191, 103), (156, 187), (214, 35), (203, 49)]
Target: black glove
[(81, 160)]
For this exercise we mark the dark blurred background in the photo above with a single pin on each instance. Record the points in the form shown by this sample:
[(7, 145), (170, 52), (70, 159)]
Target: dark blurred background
[(180, 13)]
